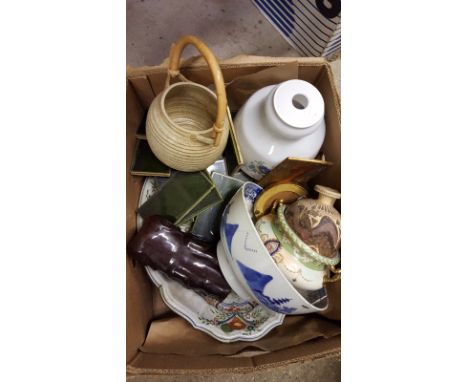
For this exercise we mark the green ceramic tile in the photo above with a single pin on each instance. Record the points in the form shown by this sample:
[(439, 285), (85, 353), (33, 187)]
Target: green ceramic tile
[(207, 223), (145, 163), (178, 197), (212, 199)]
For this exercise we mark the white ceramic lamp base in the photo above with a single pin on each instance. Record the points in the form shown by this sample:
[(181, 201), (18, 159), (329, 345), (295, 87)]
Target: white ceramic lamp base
[(279, 121)]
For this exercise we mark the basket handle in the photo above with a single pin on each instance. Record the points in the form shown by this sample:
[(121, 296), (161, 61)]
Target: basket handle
[(174, 62)]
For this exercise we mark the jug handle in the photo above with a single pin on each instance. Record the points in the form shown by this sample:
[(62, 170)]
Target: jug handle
[(173, 71), (336, 276)]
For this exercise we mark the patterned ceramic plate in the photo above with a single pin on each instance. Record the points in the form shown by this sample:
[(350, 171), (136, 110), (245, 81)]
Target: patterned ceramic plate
[(228, 320)]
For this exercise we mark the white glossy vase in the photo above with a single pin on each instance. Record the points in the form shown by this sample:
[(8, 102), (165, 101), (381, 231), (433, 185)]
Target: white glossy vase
[(280, 121)]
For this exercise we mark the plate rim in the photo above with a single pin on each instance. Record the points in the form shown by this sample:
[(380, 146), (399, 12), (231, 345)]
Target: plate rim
[(276, 319)]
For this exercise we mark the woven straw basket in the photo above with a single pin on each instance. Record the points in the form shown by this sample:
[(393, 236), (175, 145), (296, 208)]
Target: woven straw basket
[(186, 126)]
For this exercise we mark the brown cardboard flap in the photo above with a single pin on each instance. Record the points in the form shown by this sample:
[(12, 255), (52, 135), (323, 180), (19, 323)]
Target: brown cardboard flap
[(332, 144), (171, 363), (196, 70), (174, 335), (135, 113), (157, 82), (333, 311), (241, 88), (143, 90), (139, 308), (160, 309), (245, 59), (240, 61), (308, 350), (139, 289), (158, 364)]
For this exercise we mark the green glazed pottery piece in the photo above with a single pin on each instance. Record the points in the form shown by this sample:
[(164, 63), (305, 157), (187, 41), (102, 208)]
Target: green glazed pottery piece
[(207, 224), (181, 195), (145, 162)]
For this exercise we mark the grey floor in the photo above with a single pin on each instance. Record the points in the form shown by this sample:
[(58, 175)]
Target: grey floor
[(229, 28)]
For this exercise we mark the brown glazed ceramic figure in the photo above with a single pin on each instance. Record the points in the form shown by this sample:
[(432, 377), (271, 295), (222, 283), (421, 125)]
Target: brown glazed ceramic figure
[(164, 247), (317, 222)]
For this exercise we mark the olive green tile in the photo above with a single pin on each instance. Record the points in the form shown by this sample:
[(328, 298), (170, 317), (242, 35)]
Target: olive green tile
[(178, 197), (145, 163)]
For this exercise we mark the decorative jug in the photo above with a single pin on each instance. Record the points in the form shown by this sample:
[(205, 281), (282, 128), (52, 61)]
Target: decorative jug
[(316, 222)]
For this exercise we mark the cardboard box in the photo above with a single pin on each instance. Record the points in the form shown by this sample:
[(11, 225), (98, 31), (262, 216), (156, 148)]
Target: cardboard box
[(142, 86)]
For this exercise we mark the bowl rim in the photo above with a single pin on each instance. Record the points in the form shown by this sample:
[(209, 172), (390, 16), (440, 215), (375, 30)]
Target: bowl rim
[(287, 253), (263, 249), (162, 103), (221, 253)]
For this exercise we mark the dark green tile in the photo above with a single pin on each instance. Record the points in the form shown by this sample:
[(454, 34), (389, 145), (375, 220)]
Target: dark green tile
[(178, 197), (145, 163), (207, 223)]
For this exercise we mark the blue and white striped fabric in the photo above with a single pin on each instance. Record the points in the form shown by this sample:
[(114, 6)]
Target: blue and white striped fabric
[(312, 27)]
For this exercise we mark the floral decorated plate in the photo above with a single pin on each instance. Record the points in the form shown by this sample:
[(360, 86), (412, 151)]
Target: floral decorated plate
[(228, 320)]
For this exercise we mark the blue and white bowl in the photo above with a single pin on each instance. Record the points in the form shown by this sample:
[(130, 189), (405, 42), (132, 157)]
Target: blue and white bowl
[(252, 270)]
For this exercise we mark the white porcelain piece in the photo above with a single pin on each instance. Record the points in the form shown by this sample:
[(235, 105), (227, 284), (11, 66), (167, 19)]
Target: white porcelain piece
[(229, 274), (298, 274), (253, 266), (279, 121), (229, 320)]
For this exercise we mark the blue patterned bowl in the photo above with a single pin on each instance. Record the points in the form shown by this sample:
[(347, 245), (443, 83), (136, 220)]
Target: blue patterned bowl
[(252, 265)]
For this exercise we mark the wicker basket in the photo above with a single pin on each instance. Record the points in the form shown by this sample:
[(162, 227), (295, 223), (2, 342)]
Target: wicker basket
[(186, 127)]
